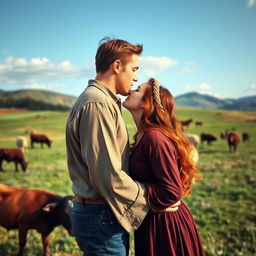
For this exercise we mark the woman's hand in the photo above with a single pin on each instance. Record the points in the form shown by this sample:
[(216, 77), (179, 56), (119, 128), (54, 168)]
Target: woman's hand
[(172, 208)]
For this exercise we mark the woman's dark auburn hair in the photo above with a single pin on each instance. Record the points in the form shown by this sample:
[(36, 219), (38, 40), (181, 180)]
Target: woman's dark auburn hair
[(164, 119)]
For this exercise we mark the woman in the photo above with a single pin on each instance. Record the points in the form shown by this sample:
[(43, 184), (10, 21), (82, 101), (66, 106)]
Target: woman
[(161, 160)]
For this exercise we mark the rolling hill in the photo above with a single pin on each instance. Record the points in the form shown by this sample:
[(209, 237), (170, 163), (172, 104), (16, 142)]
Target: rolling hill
[(198, 100), (47, 100), (35, 100)]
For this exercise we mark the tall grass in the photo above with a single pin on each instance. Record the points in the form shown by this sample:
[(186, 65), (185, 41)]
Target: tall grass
[(223, 203)]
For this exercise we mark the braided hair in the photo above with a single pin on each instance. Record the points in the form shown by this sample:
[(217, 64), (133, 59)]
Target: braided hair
[(156, 92)]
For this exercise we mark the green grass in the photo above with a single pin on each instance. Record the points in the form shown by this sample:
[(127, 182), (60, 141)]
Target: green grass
[(223, 203)]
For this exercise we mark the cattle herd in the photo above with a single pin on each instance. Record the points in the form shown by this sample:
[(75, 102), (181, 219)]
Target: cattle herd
[(231, 136), (25, 209)]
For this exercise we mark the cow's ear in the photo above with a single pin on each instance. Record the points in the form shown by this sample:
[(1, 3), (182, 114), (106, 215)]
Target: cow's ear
[(49, 207)]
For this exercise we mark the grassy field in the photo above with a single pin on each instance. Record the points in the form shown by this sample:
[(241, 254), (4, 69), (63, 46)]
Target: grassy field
[(223, 203)]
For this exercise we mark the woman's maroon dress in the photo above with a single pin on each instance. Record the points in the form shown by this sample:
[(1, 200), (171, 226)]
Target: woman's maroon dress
[(154, 162)]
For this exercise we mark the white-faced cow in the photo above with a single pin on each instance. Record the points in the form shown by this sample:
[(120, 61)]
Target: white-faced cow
[(233, 140), (22, 143)]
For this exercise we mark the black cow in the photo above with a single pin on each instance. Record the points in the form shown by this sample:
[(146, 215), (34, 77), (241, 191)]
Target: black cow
[(209, 138)]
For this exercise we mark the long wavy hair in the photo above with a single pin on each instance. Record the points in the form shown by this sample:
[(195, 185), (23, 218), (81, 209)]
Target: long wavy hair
[(159, 115)]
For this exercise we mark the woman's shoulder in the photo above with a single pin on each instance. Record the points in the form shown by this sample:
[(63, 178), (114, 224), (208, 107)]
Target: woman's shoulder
[(157, 141), (156, 137)]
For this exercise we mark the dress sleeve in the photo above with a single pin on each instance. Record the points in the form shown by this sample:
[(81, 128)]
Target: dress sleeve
[(161, 155)]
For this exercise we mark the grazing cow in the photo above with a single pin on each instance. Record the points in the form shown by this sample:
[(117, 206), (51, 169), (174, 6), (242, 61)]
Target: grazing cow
[(194, 139), (198, 123), (209, 138), (246, 136), (13, 155), (25, 209), (40, 138), (22, 143), (186, 122), (224, 135), (233, 140)]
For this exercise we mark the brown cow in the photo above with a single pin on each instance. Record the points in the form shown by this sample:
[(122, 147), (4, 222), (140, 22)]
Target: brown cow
[(40, 138), (209, 138), (13, 155), (245, 136), (25, 209), (198, 123), (233, 140), (186, 122)]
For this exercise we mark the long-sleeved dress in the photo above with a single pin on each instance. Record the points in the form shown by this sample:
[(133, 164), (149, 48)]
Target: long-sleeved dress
[(154, 162)]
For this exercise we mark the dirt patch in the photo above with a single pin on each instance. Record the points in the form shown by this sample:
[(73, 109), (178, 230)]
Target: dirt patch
[(236, 116), (12, 111)]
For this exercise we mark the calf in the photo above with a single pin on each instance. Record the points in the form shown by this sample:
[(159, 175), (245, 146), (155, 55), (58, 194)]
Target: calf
[(186, 122), (233, 140), (22, 143), (209, 138), (198, 123), (25, 209), (40, 138), (13, 155), (246, 136)]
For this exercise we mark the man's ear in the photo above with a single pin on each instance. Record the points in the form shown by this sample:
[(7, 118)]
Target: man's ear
[(117, 66)]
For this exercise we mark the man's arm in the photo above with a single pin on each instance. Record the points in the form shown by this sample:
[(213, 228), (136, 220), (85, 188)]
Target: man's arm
[(101, 152)]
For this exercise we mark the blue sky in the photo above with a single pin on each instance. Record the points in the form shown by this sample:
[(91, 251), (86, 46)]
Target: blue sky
[(193, 45)]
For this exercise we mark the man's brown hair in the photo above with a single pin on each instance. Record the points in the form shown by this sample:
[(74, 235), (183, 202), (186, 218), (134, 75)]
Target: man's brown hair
[(110, 50)]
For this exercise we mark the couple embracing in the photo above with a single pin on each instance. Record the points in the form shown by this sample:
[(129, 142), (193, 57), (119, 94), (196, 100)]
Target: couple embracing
[(117, 187)]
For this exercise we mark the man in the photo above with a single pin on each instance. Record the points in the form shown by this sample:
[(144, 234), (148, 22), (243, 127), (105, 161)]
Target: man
[(108, 203)]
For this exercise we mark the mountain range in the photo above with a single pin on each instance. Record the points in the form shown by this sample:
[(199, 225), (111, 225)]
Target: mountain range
[(47, 100), (198, 100)]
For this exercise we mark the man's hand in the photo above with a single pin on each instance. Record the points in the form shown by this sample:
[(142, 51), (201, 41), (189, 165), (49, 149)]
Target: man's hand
[(172, 208)]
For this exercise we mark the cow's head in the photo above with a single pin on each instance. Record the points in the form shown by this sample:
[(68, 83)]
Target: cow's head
[(214, 138), (49, 143), (24, 166), (60, 212)]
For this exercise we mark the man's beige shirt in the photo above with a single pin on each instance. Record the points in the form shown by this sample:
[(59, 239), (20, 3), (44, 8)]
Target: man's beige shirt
[(98, 155)]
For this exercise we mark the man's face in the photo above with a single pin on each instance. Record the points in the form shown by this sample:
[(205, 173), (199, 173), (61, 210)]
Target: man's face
[(127, 75)]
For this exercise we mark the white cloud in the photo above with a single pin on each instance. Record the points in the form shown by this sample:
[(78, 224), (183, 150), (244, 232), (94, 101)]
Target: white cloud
[(202, 87), (188, 68), (35, 71), (252, 87), (22, 71), (184, 70), (46, 86), (149, 66), (250, 3)]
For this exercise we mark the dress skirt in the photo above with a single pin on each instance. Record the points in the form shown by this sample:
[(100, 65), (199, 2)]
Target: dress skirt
[(168, 234)]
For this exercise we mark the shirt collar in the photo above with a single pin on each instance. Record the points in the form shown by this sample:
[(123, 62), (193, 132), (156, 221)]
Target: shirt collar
[(105, 90)]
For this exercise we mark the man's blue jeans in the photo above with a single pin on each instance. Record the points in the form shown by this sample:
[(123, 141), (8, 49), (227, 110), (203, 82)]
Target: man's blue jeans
[(97, 231)]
